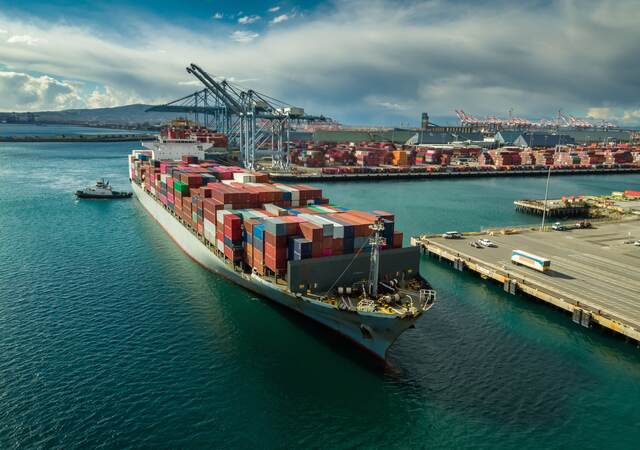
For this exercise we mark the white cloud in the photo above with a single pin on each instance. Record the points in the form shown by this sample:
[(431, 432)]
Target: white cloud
[(108, 98), (246, 20), (631, 116), (24, 92), (189, 83), (218, 16), (23, 39), (3, 31), (427, 56), (244, 37), (391, 105), (280, 18), (599, 113), (274, 9)]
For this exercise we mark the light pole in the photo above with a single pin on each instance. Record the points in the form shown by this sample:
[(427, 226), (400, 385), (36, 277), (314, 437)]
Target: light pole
[(546, 190), (546, 195)]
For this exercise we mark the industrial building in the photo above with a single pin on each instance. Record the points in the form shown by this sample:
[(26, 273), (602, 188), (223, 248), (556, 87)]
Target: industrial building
[(542, 140), (582, 137), (428, 137), (506, 137), (395, 135)]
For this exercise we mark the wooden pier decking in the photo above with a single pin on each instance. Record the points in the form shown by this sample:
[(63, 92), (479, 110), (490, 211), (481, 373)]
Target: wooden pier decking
[(595, 273), (554, 208)]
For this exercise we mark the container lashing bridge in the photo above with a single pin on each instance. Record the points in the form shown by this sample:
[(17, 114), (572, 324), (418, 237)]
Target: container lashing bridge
[(252, 121)]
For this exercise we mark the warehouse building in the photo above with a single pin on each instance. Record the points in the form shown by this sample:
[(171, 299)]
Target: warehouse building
[(542, 140)]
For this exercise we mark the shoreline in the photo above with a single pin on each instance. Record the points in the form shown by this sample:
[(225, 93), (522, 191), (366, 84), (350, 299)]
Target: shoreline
[(81, 138), (436, 175)]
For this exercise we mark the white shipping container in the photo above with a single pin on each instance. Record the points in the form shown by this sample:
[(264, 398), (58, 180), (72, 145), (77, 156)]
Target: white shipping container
[(210, 227), (338, 228), (327, 226), (244, 177)]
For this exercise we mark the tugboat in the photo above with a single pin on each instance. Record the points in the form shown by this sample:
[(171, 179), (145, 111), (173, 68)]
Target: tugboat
[(102, 189)]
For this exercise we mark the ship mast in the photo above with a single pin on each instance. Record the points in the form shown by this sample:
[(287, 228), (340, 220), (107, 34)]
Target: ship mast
[(375, 242)]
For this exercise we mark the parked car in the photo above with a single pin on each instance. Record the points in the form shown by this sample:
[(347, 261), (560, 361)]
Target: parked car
[(487, 243), (583, 224), (475, 244), (558, 227), (637, 243), (452, 235)]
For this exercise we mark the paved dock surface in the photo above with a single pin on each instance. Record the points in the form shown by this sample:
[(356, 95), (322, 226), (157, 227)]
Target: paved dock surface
[(592, 268)]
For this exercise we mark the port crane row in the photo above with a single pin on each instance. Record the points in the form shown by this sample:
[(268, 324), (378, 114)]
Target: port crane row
[(251, 120), (562, 121)]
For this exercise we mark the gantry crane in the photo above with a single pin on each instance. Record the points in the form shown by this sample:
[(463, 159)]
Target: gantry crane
[(561, 121), (252, 121)]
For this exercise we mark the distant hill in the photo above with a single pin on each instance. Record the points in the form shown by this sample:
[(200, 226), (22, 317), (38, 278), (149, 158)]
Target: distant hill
[(129, 115)]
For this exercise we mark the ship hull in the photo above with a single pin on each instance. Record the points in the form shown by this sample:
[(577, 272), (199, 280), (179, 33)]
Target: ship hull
[(374, 332)]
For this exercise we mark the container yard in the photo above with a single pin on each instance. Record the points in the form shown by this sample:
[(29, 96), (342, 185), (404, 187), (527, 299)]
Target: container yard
[(591, 273), (367, 160), (458, 172), (343, 268)]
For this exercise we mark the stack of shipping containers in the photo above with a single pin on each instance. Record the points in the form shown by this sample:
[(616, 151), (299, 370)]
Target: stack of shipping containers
[(247, 219)]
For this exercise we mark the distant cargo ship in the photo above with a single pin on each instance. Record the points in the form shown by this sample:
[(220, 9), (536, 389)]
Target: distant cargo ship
[(184, 137), (345, 269)]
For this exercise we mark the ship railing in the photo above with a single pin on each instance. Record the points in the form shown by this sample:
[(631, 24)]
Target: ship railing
[(427, 297)]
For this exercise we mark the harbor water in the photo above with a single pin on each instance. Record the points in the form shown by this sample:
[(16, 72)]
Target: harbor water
[(111, 337)]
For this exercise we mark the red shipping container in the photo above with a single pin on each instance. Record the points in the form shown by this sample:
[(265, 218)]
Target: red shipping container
[(233, 233), (397, 239), (275, 241), (384, 215), (276, 265), (316, 248), (311, 231), (258, 258), (269, 250)]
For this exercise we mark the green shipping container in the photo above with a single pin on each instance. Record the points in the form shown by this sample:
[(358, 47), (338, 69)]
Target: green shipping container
[(194, 217), (181, 187)]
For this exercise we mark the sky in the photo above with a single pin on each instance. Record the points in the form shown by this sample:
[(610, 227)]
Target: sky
[(376, 62)]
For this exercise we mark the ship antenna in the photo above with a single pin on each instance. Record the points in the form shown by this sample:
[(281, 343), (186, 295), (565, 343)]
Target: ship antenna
[(375, 242)]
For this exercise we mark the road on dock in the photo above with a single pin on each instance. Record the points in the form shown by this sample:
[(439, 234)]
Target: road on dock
[(597, 266)]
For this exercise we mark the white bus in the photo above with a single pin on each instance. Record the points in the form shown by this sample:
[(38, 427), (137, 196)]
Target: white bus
[(522, 258)]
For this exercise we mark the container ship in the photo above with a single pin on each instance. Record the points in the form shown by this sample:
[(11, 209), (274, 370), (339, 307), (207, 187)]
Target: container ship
[(343, 268)]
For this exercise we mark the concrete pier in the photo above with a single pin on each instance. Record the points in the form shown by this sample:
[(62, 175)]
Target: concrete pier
[(595, 273)]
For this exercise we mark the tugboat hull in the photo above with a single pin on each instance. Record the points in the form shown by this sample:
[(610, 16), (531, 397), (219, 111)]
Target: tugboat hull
[(115, 195)]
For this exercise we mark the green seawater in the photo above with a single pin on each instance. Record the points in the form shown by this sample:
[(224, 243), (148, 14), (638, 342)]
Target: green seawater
[(111, 337)]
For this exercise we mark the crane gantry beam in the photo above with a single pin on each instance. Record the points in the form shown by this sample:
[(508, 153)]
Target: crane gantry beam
[(251, 120)]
